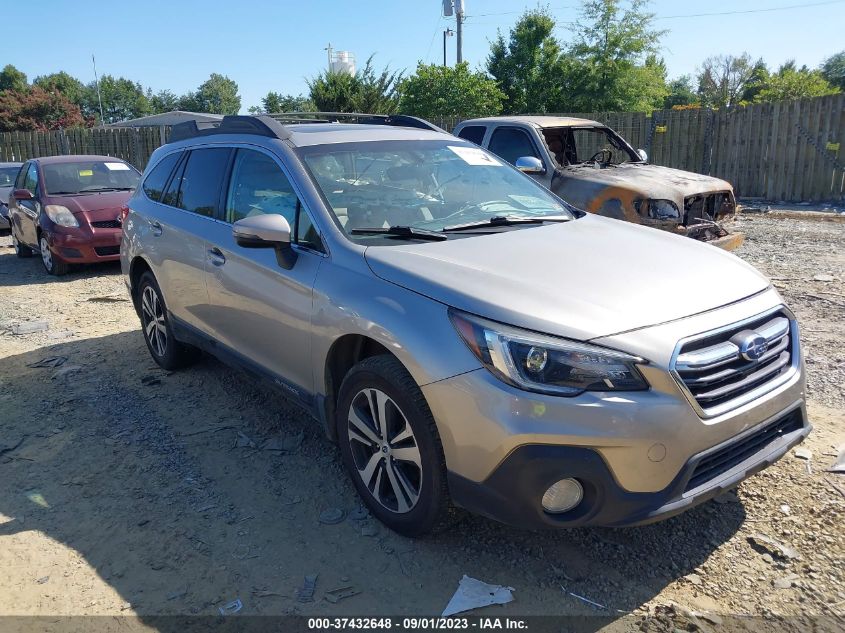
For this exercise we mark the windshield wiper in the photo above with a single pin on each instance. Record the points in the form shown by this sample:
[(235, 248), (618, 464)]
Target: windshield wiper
[(503, 220), (409, 232), (96, 189)]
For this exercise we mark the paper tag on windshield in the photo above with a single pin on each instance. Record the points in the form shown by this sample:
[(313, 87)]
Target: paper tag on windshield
[(117, 166), (474, 156)]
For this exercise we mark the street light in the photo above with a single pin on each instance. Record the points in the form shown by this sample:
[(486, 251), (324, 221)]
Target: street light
[(446, 33)]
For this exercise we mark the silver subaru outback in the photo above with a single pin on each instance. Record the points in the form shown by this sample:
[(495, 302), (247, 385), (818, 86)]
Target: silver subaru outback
[(463, 334)]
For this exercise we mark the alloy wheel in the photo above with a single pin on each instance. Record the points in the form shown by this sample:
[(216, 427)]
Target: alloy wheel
[(384, 450), (46, 255), (155, 325)]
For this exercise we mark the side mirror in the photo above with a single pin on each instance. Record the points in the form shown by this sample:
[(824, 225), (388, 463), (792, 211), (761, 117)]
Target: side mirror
[(266, 231), (23, 194), (530, 165), (643, 155)]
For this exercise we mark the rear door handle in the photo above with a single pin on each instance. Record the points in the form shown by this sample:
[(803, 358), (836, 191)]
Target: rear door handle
[(156, 228), (216, 256)]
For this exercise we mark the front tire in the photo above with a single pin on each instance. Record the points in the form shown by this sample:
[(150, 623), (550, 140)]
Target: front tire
[(52, 264), (158, 334), (391, 448), (21, 250)]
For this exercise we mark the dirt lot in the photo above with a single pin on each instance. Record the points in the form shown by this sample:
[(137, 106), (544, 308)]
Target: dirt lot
[(126, 489)]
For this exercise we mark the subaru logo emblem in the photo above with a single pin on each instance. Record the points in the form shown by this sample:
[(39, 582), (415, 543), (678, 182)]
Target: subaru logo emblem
[(753, 346)]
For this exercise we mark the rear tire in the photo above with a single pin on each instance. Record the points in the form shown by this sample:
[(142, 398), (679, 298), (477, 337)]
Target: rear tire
[(52, 264), (21, 250), (391, 448), (155, 326)]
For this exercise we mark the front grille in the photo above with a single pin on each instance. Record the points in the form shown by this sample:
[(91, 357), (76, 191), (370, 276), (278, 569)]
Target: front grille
[(103, 251), (734, 454), (708, 207), (718, 375), (106, 224)]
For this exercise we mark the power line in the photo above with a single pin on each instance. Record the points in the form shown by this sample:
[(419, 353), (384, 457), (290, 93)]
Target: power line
[(791, 6), (433, 35)]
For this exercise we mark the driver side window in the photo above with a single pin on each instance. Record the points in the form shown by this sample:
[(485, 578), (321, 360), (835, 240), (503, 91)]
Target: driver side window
[(511, 143), (31, 180), (258, 187)]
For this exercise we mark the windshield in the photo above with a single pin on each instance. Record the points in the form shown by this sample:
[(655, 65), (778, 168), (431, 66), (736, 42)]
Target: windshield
[(579, 145), (89, 176), (430, 185), (8, 175)]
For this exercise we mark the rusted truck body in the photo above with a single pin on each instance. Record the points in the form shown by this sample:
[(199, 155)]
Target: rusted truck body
[(593, 168)]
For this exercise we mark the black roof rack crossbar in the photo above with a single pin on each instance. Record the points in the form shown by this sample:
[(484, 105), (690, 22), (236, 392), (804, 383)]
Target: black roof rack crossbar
[(399, 120), (232, 124)]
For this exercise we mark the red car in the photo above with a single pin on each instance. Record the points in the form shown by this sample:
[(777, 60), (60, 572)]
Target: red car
[(68, 209)]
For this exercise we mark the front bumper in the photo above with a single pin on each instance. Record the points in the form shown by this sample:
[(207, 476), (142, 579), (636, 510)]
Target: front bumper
[(85, 245), (513, 492), (639, 448)]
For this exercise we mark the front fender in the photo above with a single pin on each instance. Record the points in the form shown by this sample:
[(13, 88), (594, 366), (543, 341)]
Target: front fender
[(416, 329)]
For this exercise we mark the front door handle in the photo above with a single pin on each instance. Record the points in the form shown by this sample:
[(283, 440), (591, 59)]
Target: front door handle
[(156, 227), (216, 256)]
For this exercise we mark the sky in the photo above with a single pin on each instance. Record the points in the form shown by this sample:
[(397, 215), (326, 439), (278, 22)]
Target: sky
[(265, 45)]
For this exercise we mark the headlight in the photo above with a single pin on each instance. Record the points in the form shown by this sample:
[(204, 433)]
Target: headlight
[(546, 364), (61, 215), (663, 210)]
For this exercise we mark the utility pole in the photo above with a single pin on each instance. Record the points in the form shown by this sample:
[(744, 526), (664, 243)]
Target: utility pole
[(97, 83), (459, 18), (446, 33), (330, 50)]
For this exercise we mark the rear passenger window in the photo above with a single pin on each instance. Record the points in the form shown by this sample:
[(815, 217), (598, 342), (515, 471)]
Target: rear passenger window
[(473, 133), (204, 173), (258, 187), (171, 196), (511, 143), (156, 180)]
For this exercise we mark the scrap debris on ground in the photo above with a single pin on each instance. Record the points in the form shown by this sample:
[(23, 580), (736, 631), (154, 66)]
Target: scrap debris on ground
[(126, 489)]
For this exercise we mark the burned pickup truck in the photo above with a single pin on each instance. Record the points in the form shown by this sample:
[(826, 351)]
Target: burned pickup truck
[(595, 169)]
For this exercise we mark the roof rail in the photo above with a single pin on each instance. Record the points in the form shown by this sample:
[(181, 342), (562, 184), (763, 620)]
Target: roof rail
[(271, 125), (398, 120), (232, 124)]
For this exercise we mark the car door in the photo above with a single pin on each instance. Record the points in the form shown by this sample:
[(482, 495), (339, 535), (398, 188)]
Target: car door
[(511, 143), (27, 211), (261, 311), (178, 226)]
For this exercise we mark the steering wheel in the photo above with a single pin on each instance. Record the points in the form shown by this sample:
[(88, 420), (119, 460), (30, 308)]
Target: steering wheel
[(600, 154)]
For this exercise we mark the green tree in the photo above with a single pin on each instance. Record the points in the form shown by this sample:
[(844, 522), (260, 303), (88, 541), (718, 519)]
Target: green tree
[(613, 64), (723, 79), (366, 91), (278, 102), (442, 90), (162, 101), (122, 99), (217, 95), (790, 82), (63, 83), (759, 79), (12, 79), (38, 110), (527, 66), (681, 93), (833, 70)]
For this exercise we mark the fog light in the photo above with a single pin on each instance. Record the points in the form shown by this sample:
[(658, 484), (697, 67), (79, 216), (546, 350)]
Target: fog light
[(562, 496)]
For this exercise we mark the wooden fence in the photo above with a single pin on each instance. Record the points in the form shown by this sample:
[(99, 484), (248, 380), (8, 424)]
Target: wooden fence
[(792, 150), (134, 145)]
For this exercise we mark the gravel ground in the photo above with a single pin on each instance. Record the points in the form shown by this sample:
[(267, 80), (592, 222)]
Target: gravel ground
[(125, 489)]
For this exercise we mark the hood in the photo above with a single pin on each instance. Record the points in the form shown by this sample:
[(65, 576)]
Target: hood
[(581, 279), (652, 181), (93, 202)]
